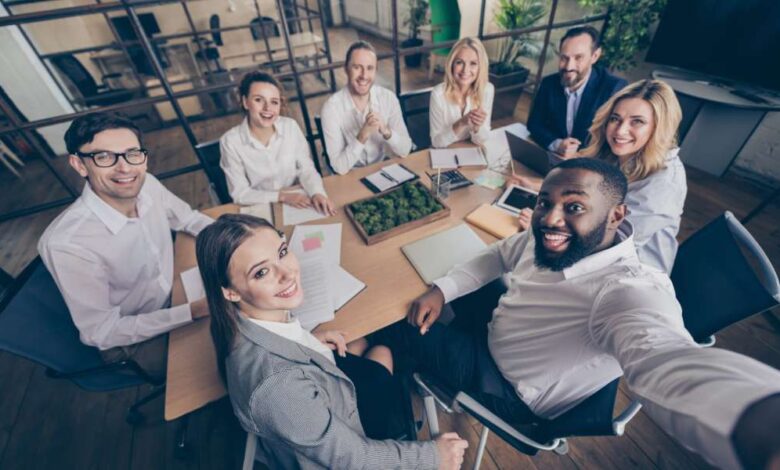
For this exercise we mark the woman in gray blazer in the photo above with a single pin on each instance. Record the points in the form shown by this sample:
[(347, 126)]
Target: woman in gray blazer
[(306, 404)]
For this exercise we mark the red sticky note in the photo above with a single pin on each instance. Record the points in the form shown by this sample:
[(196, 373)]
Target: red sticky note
[(311, 243)]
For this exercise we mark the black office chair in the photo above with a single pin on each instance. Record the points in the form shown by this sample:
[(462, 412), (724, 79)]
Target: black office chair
[(414, 106), (35, 324), (263, 26), (91, 93), (216, 36), (321, 137), (210, 155), (721, 276)]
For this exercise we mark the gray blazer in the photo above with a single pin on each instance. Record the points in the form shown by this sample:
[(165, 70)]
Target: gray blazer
[(303, 408)]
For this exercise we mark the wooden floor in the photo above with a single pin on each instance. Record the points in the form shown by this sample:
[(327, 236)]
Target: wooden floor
[(46, 423)]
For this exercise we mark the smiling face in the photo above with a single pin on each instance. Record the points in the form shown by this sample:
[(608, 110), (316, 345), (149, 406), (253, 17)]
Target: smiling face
[(576, 60), (572, 218), (629, 127), (465, 67), (264, 275), (361, 70), (116, 185), (263, 104)]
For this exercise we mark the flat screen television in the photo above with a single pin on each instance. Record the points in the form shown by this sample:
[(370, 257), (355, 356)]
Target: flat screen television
[(737, 40)]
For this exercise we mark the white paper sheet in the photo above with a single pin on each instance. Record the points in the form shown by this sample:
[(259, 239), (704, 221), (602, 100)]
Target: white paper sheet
[(345, 286), (262, 210), (398, 173), (317, 240), (294, 216), (380, 181), (193, 285), (317, 306)]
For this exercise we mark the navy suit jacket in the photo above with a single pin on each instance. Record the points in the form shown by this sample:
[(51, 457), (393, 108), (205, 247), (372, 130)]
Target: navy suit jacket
[(547, 121)]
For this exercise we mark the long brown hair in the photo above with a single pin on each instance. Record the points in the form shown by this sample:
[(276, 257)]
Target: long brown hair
[(667, 114), (214, 247)]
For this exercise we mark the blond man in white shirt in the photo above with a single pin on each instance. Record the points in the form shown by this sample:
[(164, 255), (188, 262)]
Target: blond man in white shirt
[(111, 253), (362, 123), (268, 153), (580, 311), (461, 106)]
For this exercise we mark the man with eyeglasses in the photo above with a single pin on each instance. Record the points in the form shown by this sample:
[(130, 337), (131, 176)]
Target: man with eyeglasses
[(111, 252)]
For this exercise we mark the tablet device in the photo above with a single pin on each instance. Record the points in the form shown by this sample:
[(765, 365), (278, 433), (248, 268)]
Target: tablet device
[(517, 198)]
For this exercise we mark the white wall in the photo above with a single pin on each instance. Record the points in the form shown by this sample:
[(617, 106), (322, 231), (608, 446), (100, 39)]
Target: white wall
[(29, 85)]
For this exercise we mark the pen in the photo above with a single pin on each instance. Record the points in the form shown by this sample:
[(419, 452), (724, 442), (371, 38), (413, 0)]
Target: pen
[(512, 162), (457, 162), (387, 175)]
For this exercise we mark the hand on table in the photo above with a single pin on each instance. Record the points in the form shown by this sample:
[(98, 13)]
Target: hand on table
[(425, 309), (323, 205), (567, 148), (451, 449), (533, 183), (295, 199)]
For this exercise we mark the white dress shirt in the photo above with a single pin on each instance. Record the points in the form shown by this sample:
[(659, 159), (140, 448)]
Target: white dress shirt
[(655, 206), (116, 273), (293, 331), (573, 99), (558, 337), (341, 123), (255, 173), (443, 114)]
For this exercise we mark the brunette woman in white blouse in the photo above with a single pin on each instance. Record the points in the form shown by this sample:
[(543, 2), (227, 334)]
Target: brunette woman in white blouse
[(267, 152), (461, 106)]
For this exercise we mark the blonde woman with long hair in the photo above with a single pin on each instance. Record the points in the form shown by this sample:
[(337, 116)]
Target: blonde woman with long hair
[(637, 130), (461, 106)]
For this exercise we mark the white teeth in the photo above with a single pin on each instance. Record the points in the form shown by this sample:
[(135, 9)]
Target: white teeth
[(124, 180), (289, 291), (555, 237)]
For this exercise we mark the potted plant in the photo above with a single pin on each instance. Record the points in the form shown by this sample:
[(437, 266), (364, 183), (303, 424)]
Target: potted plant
[(516, 14), (418, 13)]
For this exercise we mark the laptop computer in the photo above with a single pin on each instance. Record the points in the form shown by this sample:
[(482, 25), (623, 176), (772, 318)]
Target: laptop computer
[(528, 153)]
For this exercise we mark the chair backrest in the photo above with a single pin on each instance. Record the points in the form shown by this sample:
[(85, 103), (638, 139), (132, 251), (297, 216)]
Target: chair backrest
[(261, 25), (321, 138), (721, 275), (35, 323), (215, 35), (414, 106), (210, 155), (72, 68), (445, 23)]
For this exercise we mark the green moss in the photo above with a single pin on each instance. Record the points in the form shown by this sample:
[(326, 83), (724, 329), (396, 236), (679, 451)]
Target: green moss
[(410, 202)]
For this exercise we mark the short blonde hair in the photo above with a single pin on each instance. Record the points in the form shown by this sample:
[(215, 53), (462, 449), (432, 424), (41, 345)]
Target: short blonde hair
[(667, 115), (478, 87)]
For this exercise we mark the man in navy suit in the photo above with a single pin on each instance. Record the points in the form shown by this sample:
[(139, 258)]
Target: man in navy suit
[(567, 101)]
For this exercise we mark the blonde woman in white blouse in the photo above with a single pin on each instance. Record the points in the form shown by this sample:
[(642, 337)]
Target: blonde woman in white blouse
[(461, 106), (268, 153)]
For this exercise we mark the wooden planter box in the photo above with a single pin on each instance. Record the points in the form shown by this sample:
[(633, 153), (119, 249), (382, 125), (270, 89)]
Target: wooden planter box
[(398, 229)]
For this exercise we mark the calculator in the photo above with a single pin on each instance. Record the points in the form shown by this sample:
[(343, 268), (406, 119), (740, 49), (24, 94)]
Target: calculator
[(455, 178)]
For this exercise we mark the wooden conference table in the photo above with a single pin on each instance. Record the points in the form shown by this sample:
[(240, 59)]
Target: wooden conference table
[(391, 281)]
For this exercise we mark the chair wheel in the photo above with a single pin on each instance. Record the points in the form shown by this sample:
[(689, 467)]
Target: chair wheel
[(135, 417), (563, 448)]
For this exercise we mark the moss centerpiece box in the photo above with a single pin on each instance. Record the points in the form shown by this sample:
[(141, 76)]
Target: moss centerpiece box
[(386, 215)]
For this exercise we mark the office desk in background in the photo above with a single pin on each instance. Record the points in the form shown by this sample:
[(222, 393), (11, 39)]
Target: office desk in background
[(391, 281), (244, 54)]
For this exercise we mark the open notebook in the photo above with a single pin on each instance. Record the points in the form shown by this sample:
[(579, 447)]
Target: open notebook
[(388, 177), (434, 255), (457, 157)]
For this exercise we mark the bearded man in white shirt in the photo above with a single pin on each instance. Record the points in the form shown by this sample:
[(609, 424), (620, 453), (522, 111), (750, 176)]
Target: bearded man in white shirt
[(362, 123), (111, 252), (581, 310)]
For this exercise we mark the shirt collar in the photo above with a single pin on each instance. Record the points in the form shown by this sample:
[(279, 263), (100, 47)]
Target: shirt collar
[(112, 218), (373, 100), (248, 139), (624, 249)]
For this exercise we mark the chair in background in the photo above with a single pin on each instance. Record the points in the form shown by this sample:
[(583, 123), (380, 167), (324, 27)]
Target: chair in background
[(209, 155), (91, 94), (263, 26), (445, 26), (721, 276), (216, 35), (208, 48), (35, 324), (414, 106), (321, 137)]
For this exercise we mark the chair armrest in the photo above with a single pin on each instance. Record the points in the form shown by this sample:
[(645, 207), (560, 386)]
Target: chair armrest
[(498, 425), (443, 398), (619, 423)]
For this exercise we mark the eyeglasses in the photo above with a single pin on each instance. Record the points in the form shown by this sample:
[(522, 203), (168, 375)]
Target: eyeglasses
[(105, 158)]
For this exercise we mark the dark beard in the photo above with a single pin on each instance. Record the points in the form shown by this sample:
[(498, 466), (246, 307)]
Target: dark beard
[(577, 78), (579, 247)]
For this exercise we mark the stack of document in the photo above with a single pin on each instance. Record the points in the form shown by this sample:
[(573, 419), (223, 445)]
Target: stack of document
[(457, 157), (326, 285), (294, 216)]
